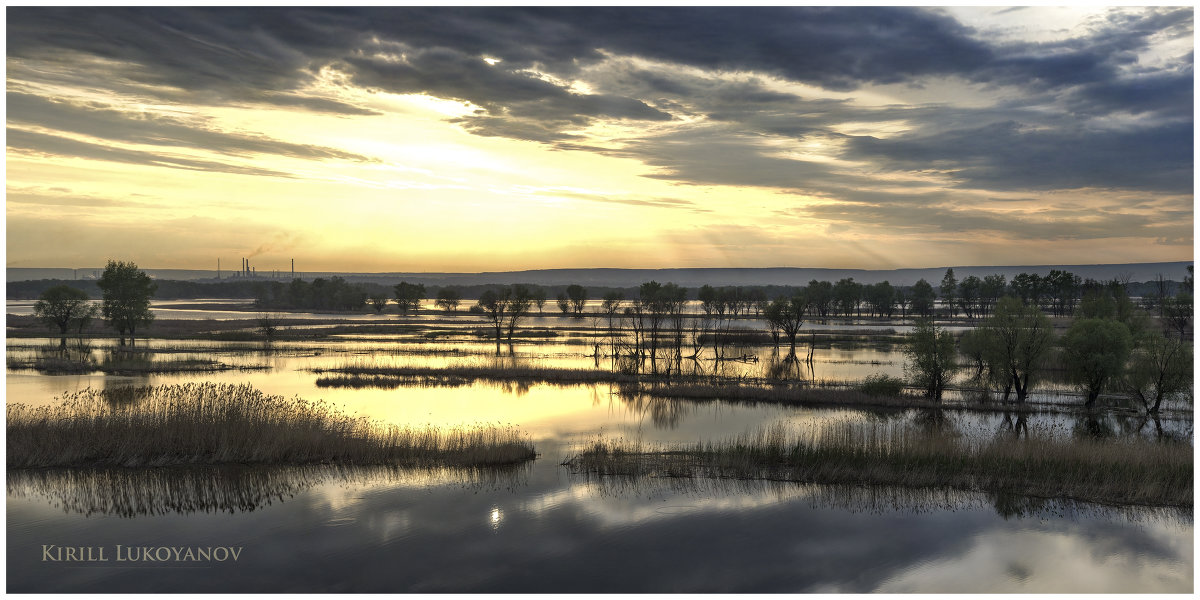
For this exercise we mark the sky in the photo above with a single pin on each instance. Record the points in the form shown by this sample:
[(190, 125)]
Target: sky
[(493, 139)]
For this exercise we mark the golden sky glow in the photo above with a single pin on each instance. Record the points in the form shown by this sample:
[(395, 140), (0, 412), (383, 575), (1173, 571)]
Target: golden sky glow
[(375, 148)]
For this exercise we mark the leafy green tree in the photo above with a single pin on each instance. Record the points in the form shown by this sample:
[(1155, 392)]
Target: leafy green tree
[(1019, 338), (62, 306), (948, 289), (1063, 288), (922, 298), (1177, 314), (881, 297), (448, 299), (973, 344), (847, 293), (126, 292), (1161, 367), (968, 295), (1109, 301), (820, 296), (930, 357), (1028, 287), (990, 292), (1095, 352)]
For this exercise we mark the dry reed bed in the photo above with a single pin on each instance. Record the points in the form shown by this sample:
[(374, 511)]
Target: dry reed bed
[(207, 423), (1124, 472)]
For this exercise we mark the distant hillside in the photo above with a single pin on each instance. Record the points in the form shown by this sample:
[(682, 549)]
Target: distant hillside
[(685, 277)]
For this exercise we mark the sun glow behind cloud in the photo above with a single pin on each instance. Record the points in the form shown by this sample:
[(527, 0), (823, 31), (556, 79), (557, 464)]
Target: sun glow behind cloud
[(397, 151)]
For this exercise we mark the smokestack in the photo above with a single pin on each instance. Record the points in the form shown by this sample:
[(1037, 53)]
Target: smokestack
[(293, 268), (218, 269)]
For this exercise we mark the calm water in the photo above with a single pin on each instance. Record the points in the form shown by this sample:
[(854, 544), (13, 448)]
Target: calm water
[(545, 530), (542, 529)]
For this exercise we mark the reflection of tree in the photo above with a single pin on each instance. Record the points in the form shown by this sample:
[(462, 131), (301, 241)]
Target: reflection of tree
[(1014, 427), (1093, 425), (665, 413), (517, 388), (935, 420), (788, 367), (1013, 505), (156, 491)]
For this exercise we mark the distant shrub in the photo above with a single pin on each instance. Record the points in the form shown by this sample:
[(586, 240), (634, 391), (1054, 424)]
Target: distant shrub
[(881, 385)]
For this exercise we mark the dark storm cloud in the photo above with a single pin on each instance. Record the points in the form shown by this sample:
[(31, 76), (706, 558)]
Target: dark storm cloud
[(444, 73), (1009, 156), (103, 122)]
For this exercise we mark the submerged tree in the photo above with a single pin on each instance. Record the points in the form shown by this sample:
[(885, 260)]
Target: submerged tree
[(610, 306), (820, 296), (539, 299), (378, 302), (63, 306), (847, 294), (1095, 351), (1028, 287), (1161, 367), (448, 298), (577, 294), (922, 298), (126, 293), (931, 358), (1020, 337), (520, 300), (787, 315), (949, 289), (408, 296), (1177, 314), (493, 304)]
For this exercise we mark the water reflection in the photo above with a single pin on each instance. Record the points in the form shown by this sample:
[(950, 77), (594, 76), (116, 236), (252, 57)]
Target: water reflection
[(664, 413), (230, 489), (869, 499)]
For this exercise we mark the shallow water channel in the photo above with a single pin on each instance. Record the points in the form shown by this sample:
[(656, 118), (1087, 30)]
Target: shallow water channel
[(540, 528)]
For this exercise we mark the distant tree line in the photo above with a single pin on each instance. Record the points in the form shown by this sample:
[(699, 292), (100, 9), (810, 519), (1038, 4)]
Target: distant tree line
[(1058, 294), (334, 293)]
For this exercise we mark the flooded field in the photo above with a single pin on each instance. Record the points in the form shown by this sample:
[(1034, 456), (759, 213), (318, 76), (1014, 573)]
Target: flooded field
[(540, 527)]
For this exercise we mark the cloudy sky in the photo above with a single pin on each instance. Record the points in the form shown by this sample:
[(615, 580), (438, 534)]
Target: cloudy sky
[(469, 139)]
